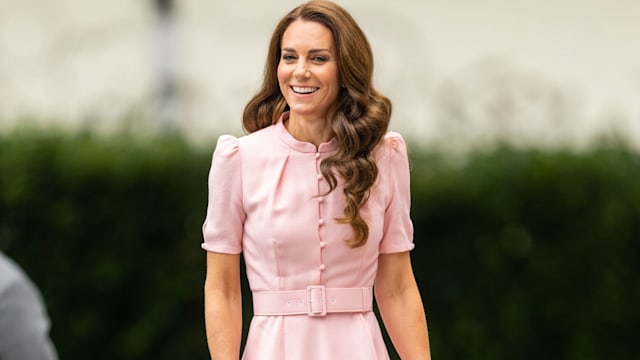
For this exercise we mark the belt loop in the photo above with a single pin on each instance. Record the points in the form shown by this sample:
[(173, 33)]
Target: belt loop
[(313, 300)]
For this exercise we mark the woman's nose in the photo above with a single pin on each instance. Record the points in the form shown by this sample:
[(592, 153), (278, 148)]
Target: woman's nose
[(301, 70)]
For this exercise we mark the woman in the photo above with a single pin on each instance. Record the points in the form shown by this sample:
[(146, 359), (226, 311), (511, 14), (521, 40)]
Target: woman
[(316, 197)]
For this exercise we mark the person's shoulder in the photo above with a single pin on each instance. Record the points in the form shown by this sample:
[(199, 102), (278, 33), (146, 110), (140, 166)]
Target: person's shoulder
[(394, 140), (226, 146), (392, 143), (10, 272)]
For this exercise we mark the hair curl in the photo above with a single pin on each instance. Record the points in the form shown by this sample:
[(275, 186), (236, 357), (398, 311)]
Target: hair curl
[(361, 116)]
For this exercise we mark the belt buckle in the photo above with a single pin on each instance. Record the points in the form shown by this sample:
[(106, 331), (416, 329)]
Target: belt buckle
[(311, 309)]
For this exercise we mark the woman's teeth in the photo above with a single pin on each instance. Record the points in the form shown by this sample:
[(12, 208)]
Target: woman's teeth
[(304, 90)]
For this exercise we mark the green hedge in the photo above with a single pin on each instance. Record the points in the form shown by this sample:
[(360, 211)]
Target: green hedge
[(109, 230), (531, 254), (521, 254)]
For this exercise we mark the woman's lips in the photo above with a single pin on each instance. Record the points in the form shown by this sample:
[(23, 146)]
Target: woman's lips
[(303, 90)]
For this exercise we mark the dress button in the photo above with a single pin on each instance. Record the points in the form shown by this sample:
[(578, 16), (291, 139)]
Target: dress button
[(322, 267), (321, 221), (319, 177), (320, 199), (322, 244), (317, 155)]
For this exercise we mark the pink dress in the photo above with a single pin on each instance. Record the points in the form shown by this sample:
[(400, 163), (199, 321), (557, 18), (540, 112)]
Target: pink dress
[(263, 202)]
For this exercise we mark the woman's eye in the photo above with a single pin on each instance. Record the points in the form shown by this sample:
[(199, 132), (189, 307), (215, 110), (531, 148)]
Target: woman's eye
[(288, 57), (320, 59)]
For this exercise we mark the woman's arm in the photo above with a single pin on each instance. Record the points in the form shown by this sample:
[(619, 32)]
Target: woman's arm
[(401, 307), (223, 305)]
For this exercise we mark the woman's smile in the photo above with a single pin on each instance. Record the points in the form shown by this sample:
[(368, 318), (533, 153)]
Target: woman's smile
[(304, 89), (308, 71)]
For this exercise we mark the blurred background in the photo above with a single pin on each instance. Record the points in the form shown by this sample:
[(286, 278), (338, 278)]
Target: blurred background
[(539, 70), (523, 119)]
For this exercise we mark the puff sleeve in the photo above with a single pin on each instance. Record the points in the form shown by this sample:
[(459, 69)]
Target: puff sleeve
[(223, 226), (397, 229)]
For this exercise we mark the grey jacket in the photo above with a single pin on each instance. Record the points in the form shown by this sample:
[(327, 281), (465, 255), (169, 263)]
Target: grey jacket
[(24, 323)]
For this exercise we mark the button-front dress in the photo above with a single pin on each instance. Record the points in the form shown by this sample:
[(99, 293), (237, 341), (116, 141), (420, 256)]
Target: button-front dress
[(265, 202)]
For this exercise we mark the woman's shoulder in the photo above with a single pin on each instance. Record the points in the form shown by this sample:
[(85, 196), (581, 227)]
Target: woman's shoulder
[(226, 146), (392, 144)]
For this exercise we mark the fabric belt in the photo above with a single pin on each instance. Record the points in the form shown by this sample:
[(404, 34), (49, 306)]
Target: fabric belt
[(316, 300)]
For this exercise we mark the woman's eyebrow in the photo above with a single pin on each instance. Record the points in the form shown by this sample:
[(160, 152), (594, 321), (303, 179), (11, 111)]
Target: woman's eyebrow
[(310, 51)]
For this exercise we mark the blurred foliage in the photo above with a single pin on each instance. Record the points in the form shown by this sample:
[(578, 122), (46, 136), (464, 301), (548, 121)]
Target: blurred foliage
[(529, 254), (109, 229), (521, 254)]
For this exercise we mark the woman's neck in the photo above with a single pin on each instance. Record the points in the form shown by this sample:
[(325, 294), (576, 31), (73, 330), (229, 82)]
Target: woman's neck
[(315, 131)]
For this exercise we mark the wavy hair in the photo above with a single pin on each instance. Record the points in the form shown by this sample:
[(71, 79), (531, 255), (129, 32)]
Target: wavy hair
[(361, 116)]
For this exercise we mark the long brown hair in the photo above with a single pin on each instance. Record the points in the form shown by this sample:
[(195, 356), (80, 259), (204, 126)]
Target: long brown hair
[(361, 115)]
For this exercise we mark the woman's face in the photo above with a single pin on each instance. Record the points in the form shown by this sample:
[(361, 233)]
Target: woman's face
[(308, 71)]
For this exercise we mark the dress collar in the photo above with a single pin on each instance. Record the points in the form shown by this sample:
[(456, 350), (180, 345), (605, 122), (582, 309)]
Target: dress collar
[(302, 146)]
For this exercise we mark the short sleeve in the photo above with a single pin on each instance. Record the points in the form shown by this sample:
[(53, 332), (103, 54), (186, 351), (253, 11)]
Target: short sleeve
[(223, 226), (398, 228)]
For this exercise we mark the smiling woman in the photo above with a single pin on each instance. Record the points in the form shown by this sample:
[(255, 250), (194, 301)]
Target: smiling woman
[(308, 78), (317, 198)]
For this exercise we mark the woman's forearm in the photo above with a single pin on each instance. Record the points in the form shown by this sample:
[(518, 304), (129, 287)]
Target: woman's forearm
[(405, 321), (223, 320), (401, 306), (223, 306)]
